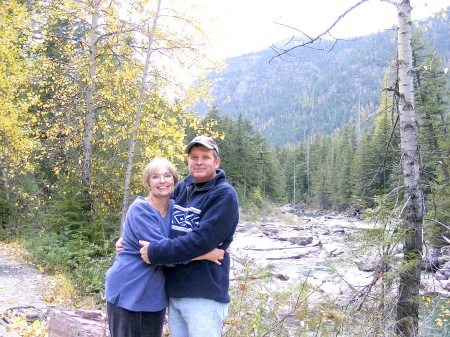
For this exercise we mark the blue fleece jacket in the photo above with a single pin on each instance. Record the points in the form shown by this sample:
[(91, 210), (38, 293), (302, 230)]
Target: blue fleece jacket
[(204, 217), (130, 282)]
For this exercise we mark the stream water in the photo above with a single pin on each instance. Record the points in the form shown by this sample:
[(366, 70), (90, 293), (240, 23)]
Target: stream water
[(315, 267)]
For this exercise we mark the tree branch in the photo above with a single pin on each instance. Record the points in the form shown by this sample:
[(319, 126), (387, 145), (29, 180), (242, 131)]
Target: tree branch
[(280, 51)]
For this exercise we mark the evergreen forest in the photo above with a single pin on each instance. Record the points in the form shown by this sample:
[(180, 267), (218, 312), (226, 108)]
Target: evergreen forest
[(89, 94)]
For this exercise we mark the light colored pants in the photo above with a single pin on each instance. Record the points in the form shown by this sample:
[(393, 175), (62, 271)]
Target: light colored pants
[(196, 317)]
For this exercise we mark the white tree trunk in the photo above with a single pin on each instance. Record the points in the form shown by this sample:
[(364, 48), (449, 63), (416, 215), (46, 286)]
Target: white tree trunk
[(137, 121), (89, 121), (408, 306)]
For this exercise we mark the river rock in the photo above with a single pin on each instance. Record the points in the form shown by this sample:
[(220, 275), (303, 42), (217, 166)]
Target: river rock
[(302, 247), (81, 323)]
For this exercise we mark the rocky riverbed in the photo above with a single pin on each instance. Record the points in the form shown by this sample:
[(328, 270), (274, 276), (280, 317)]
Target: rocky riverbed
[(322, 248)]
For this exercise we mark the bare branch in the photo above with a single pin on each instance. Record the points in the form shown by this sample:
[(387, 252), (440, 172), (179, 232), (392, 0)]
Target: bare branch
[(440, 223), (310, 40)]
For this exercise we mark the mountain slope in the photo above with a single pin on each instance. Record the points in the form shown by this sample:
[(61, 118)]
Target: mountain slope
[(312, 90)]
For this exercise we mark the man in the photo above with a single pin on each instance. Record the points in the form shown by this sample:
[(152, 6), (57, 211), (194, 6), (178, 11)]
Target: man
[(205, 216)]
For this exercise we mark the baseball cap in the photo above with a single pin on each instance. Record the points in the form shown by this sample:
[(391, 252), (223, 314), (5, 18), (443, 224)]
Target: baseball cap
[(205, 141)]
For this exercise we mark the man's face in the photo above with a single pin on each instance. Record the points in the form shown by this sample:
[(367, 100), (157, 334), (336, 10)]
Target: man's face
[(201, 163)]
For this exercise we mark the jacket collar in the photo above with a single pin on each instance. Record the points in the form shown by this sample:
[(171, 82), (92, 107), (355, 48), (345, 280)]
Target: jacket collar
[(220, 176)]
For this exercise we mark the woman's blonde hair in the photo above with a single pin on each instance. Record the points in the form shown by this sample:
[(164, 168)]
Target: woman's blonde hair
[(155, 165)]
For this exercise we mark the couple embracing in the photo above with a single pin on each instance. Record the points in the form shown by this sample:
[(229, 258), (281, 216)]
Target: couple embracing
[(174, 251)]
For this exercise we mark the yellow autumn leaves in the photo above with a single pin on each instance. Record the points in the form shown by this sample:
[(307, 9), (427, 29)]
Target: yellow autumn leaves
[(20, 326)]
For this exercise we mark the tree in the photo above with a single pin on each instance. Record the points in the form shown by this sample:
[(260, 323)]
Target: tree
[(273, 183), (412, 212), (167, 39), (345, 151), (90, 102), (321, 180), (150, 35), (382, 153), (16, 145), (293, 159), (408, 307), (432, 110)]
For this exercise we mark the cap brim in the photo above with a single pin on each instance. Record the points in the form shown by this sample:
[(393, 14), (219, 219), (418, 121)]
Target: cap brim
[(189, 147)]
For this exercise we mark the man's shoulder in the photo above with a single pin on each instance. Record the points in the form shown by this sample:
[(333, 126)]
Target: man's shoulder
[(221, 179), (224, 185), (225, 192)]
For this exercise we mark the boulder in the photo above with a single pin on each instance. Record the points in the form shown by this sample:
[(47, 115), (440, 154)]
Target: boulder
[(445, 250), (430, 261), (301, 240), (81, 323)]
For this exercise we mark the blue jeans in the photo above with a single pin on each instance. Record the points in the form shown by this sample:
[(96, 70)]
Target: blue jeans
[(196, 317)]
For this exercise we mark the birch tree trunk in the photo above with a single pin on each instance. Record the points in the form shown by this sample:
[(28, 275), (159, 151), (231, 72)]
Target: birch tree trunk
[(407, 321), (142, 95), (89, 121)]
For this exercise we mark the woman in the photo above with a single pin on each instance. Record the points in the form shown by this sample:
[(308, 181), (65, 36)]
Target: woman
[(135, 294)]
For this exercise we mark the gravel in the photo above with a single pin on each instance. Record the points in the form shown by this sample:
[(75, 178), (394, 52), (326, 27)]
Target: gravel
[(23, 290)]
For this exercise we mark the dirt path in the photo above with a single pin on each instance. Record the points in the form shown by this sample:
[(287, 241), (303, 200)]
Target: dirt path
[(26, 294)]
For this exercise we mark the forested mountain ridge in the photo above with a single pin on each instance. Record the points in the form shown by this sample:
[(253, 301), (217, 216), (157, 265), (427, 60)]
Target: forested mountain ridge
[(290, 98)]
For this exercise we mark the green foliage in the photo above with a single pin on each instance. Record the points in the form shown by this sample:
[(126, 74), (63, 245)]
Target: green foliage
[(433, 114), (69, 243), (435, 316), (4, 212), (262, 306), (438, 216), (21, 209), (69, 216), (251, 166), (81, 262), (257, 309), (257, 197)]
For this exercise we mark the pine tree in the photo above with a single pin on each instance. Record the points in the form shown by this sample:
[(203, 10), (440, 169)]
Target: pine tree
[(432, 92), (345, 148)]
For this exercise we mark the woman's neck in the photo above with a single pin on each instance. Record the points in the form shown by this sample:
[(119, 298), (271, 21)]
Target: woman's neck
[(159, 204)]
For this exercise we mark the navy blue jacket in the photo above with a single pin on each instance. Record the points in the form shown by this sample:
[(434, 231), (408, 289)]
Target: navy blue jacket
[(203, 218)]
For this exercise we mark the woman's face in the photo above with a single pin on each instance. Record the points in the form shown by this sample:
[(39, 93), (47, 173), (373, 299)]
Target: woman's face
[(161, 183)]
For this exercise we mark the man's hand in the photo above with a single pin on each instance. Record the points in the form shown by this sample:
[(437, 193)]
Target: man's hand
[(214, 256), (144, 250), (119, 245)]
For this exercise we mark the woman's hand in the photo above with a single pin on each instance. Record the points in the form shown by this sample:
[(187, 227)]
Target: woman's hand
[(119, 245), (144, 251)]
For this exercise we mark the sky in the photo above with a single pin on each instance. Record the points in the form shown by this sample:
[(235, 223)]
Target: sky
[(237, 27)]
